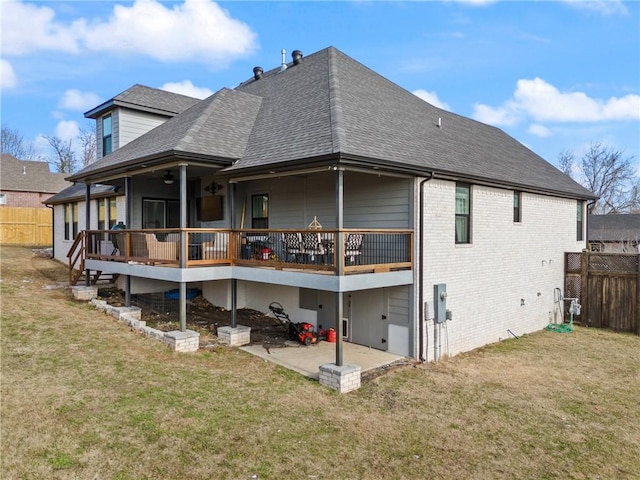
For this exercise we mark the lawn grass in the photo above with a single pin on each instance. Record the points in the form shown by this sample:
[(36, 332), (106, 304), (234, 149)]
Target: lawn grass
[(84, 397)]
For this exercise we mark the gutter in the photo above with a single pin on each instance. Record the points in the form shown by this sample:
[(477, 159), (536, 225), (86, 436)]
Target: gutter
[(421, 319)]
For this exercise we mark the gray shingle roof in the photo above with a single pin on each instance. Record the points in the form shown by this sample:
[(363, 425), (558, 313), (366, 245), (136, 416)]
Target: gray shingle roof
[(140, 97), (332, 107), (216, 128), (331, 104), (613, 228), (29, 176), (77, 192)]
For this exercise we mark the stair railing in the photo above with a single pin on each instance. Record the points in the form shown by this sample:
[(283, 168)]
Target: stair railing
[(77, 254)]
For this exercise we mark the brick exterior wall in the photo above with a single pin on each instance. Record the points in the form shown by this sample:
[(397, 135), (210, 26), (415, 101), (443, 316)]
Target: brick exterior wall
[(25, 199), (505, 279)]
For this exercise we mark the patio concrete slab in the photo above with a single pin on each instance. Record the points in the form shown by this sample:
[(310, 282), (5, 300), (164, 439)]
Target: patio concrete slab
[(306, 360)]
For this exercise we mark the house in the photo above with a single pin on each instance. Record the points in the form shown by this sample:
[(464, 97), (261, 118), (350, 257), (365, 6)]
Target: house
[(618, 233), (439, 234), (24, 185), (121, 119)]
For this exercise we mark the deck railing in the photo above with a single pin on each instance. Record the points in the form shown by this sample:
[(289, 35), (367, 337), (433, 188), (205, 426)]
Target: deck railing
[(363, 250)]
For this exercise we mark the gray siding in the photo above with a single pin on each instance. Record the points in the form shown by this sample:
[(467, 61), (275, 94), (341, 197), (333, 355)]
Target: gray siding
[(376, 202), (133, 124), (370, 201)]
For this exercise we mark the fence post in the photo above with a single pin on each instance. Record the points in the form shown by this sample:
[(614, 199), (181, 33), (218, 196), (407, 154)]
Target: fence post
[(638, 297), (584, 279)]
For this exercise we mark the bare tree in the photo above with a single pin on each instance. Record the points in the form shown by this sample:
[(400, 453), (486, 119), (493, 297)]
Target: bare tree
[(87, 138), (64, 160), (609, 175), (565, 162), (13, 143)]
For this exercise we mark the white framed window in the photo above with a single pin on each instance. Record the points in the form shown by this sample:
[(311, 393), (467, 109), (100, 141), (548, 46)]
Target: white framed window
[(463, 213)]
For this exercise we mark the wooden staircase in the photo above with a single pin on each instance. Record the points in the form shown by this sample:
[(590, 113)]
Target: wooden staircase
[(77, 271)]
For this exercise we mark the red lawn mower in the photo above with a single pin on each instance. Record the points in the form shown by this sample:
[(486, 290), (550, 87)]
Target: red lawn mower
[(302, 332)]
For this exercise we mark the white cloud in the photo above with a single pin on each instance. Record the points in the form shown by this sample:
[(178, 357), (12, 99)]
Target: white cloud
[(505, 115), (195, 29), (27, 28), (432, 98), (539, 130), (475, 3), (8, 76), (192, 30), (67, 130), (604, 7), (79, 101), (186, 87), (542, 102)]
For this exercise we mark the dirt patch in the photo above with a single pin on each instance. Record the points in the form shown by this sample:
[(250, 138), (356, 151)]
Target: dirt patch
[(203, 317)]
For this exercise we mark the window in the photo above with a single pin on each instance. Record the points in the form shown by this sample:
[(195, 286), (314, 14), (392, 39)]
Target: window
[(260, 211), (107, 145), (106, 213), (579, 223), (3, 198), (161, 213), (70, 221), (517, 212), (463, 213)]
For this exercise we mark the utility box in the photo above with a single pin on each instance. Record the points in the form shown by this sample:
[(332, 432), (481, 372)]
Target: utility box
[(440, 303)]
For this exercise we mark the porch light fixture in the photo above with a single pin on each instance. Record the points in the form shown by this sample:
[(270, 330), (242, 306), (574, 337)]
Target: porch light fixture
[(168, 178)]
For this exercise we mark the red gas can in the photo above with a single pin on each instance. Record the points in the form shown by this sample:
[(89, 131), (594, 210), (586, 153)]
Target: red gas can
[(331, 335)]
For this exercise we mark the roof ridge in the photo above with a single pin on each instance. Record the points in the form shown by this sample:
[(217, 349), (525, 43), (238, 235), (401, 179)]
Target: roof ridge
[(338, 135), (195, 127)]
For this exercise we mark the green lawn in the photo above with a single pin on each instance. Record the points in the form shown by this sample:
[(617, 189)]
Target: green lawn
[(83, 397)]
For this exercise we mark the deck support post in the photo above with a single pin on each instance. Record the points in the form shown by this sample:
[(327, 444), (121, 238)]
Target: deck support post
[(183, 245), (87, 227), (339, 259), (127, 222)]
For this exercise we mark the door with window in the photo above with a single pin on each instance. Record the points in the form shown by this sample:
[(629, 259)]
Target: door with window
[(260, 210), (158, 213)]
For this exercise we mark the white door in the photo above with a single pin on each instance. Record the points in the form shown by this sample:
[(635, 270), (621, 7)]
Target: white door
[(368, 318)]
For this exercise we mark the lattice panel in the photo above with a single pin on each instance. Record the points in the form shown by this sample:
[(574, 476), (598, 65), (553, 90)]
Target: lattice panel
[(572, 286), (613, 263), (573, 262)]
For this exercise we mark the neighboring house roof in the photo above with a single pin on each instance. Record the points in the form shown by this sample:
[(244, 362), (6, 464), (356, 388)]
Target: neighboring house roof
[(29, 176), (330, 108), (77, 192), (146, 99), (613, 228)]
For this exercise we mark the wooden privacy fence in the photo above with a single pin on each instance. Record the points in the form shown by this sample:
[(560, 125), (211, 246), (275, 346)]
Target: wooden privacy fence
[(608, 288), (26, 226)]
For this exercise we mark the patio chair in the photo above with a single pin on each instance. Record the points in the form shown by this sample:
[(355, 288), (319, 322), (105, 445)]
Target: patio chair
[(161, 250), (292, 245), (312, 246), (217, 247), (353, 247)]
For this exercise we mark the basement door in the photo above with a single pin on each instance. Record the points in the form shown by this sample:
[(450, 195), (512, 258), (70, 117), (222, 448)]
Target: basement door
[(369, 318)]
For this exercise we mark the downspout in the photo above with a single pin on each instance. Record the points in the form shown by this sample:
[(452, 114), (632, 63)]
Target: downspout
[(421, 315), (586, 222), (53, 230)]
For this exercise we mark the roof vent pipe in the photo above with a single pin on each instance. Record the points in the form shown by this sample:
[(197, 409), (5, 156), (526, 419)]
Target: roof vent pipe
[(257, 73), (297, 57), (283, 67)]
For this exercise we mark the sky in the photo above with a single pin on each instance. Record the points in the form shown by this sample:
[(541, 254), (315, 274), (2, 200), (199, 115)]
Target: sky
[(555, 75)]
